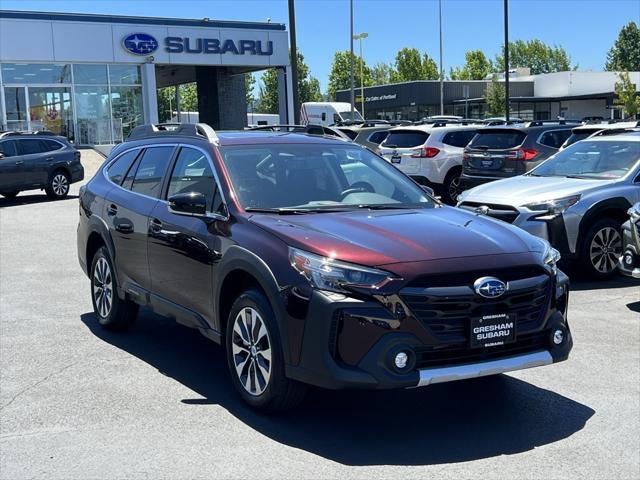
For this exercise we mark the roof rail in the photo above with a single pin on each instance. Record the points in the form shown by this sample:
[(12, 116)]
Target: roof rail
[(540, 123), (615, 131), (12, 133), (174, 129)]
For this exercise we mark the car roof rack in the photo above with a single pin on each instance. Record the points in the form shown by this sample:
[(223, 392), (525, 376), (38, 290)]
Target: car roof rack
[(174, 129), (615, 131), (334, 132), (14, 133), (540, 123)]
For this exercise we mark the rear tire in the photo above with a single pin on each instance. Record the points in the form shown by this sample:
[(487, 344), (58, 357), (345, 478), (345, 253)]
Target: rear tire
[(10, 194), (255, 358), (58, 186), (452, 187), (113, 313), (601, 248)]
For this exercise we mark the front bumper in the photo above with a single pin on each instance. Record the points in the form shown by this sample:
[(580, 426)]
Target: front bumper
[(350, 343), (629, 263)]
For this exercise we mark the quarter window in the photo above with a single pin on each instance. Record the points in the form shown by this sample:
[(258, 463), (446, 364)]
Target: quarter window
[(50, 145), (554, 138), (459, 139), (378, 137), (192, 173), (118, 169), (151, 169), (8, 148)]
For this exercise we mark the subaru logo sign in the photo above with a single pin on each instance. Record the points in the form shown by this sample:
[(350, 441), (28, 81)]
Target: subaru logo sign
[(140, 44), (489, 287)]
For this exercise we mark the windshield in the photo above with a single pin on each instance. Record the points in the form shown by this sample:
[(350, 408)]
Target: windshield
[(346, 115), (317, 177), (592, 159)]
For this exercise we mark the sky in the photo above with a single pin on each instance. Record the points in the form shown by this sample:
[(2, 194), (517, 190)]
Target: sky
[(585, 28)]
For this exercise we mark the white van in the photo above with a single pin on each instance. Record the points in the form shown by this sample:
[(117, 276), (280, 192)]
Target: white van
[(328, 113)]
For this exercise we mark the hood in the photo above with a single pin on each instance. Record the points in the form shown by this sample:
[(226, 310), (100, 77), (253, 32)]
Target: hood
[(383, 237), (525, 189)]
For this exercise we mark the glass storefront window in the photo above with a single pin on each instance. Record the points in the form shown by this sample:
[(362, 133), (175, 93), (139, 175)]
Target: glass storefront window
[(126, 109), (124, 75), (50, 109), (93, 116), (31, 73), (90, 74), (16, 108)]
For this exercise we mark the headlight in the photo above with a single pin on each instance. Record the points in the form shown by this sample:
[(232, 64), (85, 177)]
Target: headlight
[(553, 208), (551, 258), (329, 274)]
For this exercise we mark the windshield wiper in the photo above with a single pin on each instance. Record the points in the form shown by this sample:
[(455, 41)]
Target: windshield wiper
[(296, 211)]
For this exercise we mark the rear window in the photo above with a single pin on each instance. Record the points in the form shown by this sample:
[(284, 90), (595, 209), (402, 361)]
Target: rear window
[(459, 138), (405, 139), (498, 139)]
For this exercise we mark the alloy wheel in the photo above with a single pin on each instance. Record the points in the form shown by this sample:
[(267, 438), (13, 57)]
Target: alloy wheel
[(103, 287), (251, 346), (454, 188), (605, 249), (60, 185)]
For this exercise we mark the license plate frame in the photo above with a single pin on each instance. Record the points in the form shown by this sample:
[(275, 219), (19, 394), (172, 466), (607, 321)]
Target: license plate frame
[(492, 330)]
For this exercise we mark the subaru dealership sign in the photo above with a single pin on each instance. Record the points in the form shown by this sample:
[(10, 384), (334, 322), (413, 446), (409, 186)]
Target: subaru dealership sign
[(140, 44), (145, 44)]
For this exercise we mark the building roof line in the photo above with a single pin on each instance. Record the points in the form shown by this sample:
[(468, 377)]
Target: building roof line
[(98, 18)]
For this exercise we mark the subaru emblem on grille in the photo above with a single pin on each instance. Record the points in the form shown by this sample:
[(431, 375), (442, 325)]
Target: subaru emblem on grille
[(489, 287), (481, 210)]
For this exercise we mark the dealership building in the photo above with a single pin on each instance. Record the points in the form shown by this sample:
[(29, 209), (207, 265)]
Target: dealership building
[(93, 78), (570, 95)]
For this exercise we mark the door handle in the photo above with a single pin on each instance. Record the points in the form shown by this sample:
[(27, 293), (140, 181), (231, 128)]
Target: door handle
[(124, 227), (112, 210), (156, 225), (48, 159), (19, 162)]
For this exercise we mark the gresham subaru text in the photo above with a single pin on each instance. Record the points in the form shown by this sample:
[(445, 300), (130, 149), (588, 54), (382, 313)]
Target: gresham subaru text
[(314, 261)]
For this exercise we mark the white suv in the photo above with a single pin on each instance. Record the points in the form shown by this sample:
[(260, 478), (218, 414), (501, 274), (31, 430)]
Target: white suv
[(431, 155)]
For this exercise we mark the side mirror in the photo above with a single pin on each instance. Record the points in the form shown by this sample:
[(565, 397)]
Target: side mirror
[(1, 155), (193, 203)]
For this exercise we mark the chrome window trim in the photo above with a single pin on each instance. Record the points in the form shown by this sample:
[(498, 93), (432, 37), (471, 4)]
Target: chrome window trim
[(212, 215)]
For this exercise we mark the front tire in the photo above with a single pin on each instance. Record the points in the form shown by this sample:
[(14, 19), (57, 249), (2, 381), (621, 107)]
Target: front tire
[(601, 248), (254, 356), (113, 312), (58, 186), (452, 187)]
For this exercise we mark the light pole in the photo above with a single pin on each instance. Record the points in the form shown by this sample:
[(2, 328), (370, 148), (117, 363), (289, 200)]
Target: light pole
[(294, 63), (353, 93), (441, 70), (506, 60), (360, 37)]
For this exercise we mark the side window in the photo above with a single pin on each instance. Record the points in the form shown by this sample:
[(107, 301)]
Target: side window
[(459, 139), (118, 169), (151, 169), (554, 138), (30, 146), (378, 137), (50, 145), (192, 173), (8, 148)]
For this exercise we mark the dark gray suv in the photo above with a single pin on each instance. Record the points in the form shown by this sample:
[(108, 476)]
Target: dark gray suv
[(508, 150), (36, 160)]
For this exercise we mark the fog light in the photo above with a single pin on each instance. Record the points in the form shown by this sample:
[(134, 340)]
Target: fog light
[(401, 360), (628, 259), (558, 337)]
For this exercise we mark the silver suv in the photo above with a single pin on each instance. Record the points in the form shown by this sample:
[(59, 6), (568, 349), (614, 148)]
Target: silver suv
[(577, 199), (430, 154)]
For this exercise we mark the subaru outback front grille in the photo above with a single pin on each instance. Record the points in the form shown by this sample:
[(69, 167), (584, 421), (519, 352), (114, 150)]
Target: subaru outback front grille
[(506, 213)]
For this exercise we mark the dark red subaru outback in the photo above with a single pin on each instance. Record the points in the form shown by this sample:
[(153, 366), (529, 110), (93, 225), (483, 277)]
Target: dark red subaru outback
[(313, 261)]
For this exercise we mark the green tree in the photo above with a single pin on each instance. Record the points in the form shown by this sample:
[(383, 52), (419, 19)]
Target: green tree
[(308, 88), (410, 66), (166, 98), (627, 95), (381, 73), (537, 56), (249, 85), (495, 97), (340, 74), (625, 53), (476, 67)]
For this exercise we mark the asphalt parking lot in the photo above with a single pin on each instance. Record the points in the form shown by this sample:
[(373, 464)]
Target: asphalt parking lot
[(156, 402)]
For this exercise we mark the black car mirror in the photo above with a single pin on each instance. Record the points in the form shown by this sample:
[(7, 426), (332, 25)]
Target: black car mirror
[(193, 203), (1, 155)]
